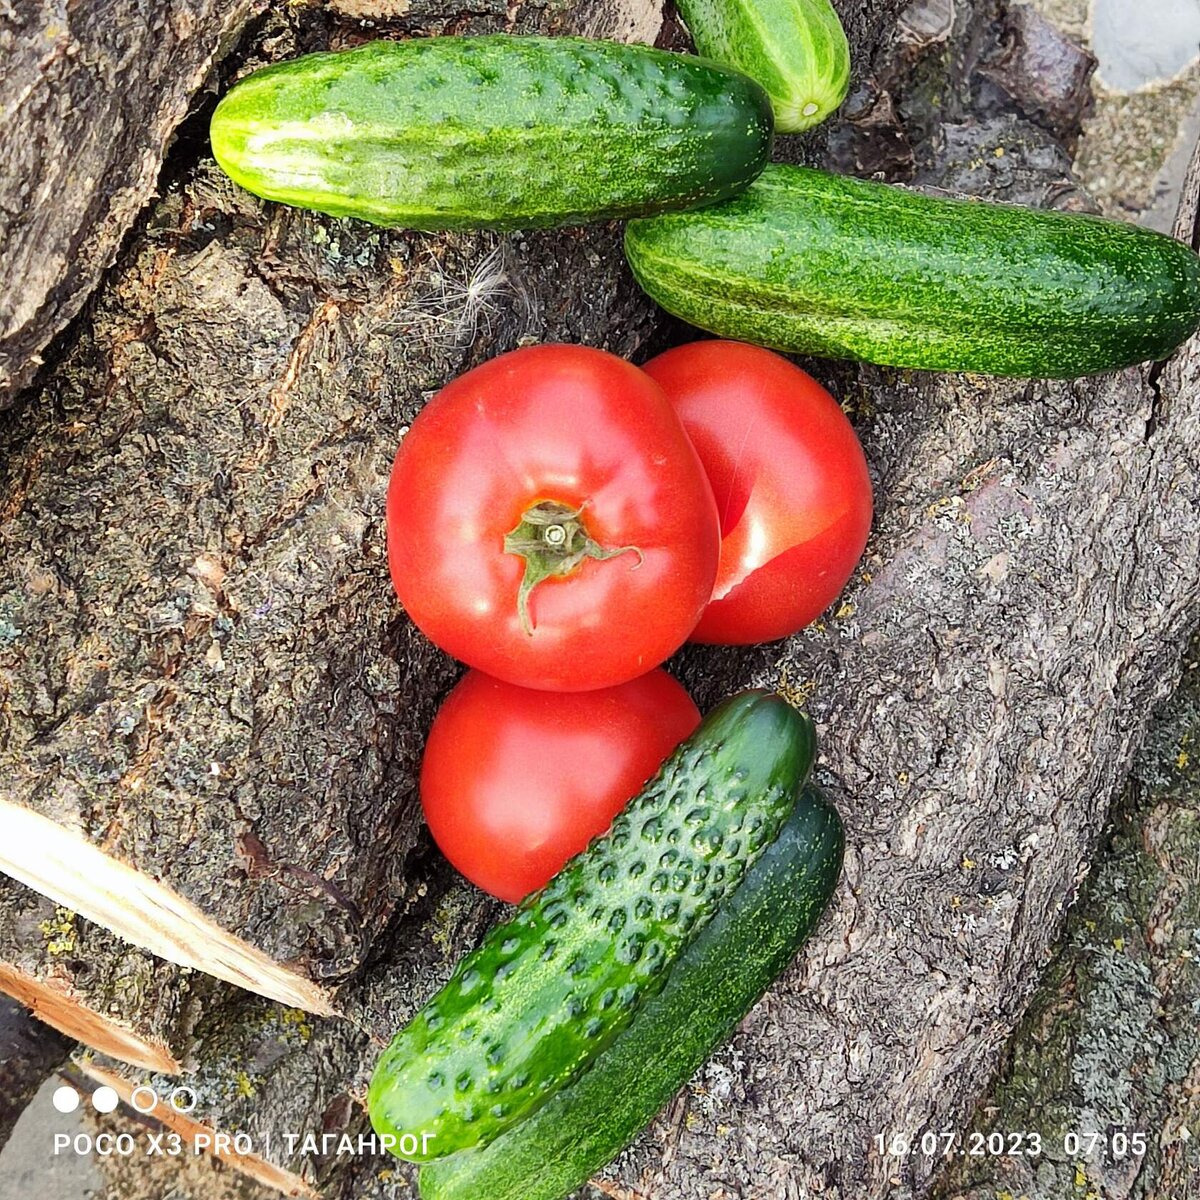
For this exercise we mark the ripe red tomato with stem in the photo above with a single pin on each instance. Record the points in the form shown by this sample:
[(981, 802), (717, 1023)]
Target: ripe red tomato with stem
[(516, 781), (549, 521), (791, 482)]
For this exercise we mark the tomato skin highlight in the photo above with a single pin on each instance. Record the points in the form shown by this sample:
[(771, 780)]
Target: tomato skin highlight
[(590, 432), (791, 483), (516, 781)]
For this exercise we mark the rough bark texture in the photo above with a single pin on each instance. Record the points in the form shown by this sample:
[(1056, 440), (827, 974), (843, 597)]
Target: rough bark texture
[(29, 1052), (91, 93), (95, 988), (980, 696), (1109, 1050), (203, 665), (267, 1072), (193, 576)]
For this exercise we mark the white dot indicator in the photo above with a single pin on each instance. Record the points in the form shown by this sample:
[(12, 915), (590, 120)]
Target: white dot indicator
[(65, 1099), (105, 1099), (183, 1099), (144, 1098)]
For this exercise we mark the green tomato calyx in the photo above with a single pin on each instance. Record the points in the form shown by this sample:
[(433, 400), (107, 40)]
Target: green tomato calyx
[(553, 541)]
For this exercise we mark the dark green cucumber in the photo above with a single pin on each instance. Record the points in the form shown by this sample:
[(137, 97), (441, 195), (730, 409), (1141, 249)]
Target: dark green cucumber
[(548, 990), (796, 49), (493, 132), (821, 264), (710, 989)]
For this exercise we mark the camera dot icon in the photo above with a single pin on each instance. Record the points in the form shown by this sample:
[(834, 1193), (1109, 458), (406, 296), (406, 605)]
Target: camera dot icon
[(143, 1099)]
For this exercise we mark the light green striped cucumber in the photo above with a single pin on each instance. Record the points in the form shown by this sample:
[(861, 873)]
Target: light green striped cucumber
[(823, 264), (493, 132), (797, 49), (548, 991), (750, 941)]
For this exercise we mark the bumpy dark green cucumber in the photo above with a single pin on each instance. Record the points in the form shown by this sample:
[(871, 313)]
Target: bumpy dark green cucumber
[(822, 264), (796, 49), (713, 985), (493, 132), (548, 990)]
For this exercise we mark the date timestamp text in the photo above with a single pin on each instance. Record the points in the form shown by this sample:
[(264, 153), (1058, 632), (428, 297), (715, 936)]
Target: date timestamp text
[(1111, 1144)]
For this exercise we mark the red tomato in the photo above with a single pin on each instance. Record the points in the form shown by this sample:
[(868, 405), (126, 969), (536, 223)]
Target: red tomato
[(516, 781), (790, 480), (549, 521)]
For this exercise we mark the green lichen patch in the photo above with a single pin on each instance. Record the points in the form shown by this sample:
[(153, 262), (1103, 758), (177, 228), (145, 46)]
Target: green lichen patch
[(60, 932)]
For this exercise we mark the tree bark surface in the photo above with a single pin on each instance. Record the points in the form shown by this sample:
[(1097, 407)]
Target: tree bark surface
[(97, 989), (91, 93), (294, 1085), (1104, 1067), (194, 579), (1033, 580), (210, 696)]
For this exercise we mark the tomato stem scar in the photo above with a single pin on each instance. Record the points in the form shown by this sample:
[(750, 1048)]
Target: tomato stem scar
[(553, 542)]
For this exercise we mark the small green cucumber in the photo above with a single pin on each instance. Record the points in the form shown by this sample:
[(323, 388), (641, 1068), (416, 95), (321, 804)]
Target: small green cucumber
[(548, 990), (822, 264), (495, 132), (797, 49), (710, 989)]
